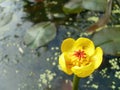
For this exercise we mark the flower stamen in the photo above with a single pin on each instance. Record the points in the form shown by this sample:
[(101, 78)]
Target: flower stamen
[(80, 54)]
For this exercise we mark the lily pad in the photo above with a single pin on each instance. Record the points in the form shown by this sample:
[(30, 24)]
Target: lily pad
[(1, 1), (72, 7), (40, 34), (96, 5), (109, 40), (5, 18), (76, 6)]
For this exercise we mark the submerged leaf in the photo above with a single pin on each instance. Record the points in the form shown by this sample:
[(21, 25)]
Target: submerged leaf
[(109, 40), (40, 34)]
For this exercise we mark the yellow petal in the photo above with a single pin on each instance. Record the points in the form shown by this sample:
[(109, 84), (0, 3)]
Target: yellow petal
[(83, 71), (97, 57), (67, 44), (86, 44), (63, 65)]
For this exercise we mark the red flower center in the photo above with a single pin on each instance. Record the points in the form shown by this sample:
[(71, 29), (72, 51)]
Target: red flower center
[(80, 54)]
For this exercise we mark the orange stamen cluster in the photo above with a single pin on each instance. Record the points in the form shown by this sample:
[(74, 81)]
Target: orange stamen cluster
[(80, 54)]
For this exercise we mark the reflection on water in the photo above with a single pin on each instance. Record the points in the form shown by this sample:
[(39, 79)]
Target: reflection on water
[(24, 69)]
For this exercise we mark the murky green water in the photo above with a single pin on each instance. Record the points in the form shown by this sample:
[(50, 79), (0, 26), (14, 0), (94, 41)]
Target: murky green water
[(22, 68)]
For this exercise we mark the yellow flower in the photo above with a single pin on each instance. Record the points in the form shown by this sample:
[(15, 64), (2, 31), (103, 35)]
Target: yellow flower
[(79, 57)]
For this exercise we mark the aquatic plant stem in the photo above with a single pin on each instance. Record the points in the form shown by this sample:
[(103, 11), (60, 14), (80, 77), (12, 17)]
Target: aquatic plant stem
[(75, 82)]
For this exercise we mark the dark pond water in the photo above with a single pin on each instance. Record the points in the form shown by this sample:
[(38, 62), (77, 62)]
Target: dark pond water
[(22, 68)]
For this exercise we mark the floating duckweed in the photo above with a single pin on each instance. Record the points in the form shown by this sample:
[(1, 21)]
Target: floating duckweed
[(113, 82), (50, 78), (56, 53), (56, 58), (42, 76), (69, 34), (23, 85), (53, 63), (17, 71), (46, 78), (88, 82), (70, 19), (56, 48), (84, 34), (44, 81), (39, 85), (117, 74), (113, 85), (91, 77), (66, 81), (104, 70), (95, 86), (49, 86), (114, 64), (118, 88), (103, 73), (66, 23), (9, 44), (48, 59), (52, 48)]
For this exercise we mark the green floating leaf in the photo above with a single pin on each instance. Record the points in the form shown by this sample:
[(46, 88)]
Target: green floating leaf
[(5, 18), (96, 5), (76, 6), (109, 40), (1, 1), (40, 34)]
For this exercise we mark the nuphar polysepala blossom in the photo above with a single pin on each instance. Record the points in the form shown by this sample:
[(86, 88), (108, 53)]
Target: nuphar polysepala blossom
[(79, 57)]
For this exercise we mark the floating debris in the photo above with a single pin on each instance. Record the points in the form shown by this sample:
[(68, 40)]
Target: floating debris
[(46, 79)]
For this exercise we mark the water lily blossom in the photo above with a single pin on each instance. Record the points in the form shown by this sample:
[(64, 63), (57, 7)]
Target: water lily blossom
[(79, 57)]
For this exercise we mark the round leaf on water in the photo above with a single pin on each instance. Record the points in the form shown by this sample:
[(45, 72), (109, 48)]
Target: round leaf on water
[(97, 5), (109, 40), (5, 18), (73, 6), (1, 1), (76, 6), (40, 34)]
